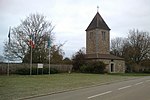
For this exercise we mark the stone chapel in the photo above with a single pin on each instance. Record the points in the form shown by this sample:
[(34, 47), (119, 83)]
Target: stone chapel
[(98, 45)]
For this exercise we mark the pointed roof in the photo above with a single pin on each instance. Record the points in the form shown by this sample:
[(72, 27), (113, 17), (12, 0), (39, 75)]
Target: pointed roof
[(97, 22)]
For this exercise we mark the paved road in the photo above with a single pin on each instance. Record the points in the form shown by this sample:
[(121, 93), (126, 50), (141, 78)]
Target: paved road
[(137, 89)]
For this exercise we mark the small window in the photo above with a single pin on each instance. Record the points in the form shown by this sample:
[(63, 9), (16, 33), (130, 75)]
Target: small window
[(90, 35), (103, 35), (112, 60)]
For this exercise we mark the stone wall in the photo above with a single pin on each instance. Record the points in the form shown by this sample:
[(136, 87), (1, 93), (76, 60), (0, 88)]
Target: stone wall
[(95, 42), (119, 65), (14, 67)]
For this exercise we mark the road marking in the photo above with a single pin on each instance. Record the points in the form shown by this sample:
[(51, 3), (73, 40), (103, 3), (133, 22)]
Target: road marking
[(124, 87), (147, 80), (99, 94), (139, 83)]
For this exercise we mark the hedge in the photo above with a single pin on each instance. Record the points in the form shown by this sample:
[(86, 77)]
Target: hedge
[(35, 71), (93, 67)]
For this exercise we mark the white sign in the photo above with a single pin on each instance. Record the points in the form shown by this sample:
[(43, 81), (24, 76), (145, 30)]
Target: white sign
[(40, 65)]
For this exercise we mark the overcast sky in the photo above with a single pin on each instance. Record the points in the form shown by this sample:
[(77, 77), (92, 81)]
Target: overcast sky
[(72, 17)]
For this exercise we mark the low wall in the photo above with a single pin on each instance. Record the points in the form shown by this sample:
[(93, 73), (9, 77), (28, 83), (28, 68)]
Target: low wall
[(14, 67)]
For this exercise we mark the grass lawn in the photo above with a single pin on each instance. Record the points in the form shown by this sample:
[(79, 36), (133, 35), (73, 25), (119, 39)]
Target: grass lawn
[(16, 86)]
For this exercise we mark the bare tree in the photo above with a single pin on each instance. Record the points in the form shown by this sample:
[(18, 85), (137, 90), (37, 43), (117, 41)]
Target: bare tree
[(117, 46), (138, 45), (134, 48), (57, 54), (36, 27), (2, 59)]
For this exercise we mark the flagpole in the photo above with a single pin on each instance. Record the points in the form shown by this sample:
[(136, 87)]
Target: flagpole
[(8, 59), (8, 67), (31, 54), (49, 62), (31, 62), (8, 50), (49, 45)]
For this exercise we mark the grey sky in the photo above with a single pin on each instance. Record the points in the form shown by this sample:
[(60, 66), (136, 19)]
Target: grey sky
[(71, 17)]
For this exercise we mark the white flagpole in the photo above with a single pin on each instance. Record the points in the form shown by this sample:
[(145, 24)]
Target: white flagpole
[(31, 62), (48, 45), (8, 50), (8, 67), (31, 54), (8, 59), (49, 62)]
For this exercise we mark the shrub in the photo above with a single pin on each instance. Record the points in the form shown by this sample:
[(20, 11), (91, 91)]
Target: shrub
[(52, 71), (147, 71), (23, 71), (86, 69), (78, 60), (93, 67)]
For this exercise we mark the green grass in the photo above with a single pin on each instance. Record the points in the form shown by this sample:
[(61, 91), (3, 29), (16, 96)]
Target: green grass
[(16, 86)]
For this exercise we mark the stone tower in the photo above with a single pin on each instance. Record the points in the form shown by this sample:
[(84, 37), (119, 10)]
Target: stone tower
[(98, 45), (97, 36)]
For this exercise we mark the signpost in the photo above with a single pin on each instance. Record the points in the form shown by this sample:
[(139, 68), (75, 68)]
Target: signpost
[(40, 66)]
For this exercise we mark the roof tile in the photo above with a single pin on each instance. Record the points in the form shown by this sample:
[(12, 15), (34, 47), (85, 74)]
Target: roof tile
[(97, 22)]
